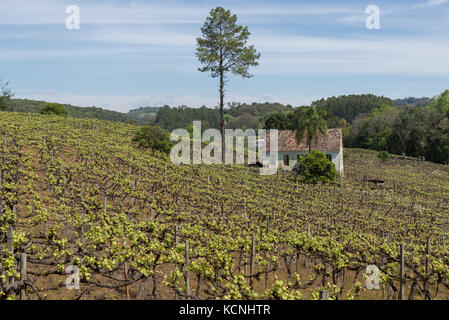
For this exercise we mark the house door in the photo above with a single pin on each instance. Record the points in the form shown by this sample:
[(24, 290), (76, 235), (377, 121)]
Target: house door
[(286, 160)]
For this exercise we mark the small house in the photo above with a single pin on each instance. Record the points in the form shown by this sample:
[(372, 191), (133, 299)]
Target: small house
[(331, 144)]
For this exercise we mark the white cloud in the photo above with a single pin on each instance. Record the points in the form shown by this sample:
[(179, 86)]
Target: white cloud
[(53, 12), (281, 54), (352, 19), (431, 3)]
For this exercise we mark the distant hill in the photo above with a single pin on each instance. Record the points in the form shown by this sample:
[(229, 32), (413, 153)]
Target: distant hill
[(424, 101), (33, 106), (349, 107), (144, 114), (237, 115)]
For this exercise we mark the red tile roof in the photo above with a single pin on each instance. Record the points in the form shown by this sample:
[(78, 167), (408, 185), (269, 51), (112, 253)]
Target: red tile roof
[(287, 142)]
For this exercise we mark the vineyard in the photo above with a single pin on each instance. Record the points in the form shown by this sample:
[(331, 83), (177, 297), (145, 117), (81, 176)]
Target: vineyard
[(77, 192)]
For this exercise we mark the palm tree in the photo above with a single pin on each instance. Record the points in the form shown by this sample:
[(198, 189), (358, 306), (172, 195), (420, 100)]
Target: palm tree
[(310, 121)]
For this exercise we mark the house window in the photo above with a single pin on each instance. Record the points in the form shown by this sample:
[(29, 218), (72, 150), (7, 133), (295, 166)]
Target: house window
[(286, 160), (329, 157)]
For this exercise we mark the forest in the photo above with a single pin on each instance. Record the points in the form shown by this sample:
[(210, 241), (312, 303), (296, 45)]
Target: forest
[(416, 127)]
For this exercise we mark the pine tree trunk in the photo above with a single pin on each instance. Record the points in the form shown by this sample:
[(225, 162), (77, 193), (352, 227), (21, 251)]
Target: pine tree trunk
[(222, 124)]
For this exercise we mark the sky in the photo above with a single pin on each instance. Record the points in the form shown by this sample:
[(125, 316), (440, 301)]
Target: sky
[(128, 54)]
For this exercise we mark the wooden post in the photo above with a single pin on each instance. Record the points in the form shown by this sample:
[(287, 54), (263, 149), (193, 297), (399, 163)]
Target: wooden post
[(427, 256), (244, 207), (308, 263), (187, 275), (125, 269), (132, 197), (165, 180), (176, 235), (223, 217), (9, 239), (297, 261), (266, 275), (82, 211), (402, 275), (251, 265), (9, 245), (426, 287), (23, 275), (324, 295)]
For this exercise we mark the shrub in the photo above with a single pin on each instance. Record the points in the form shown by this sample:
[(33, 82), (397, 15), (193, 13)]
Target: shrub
[(154, 138), (383, 155), (54, 109), (315, 167)]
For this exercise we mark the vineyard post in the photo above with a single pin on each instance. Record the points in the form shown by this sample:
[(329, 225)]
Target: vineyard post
[(401, 276), (309, 262), (223, 217), (252, 258), (244, 206), (266, 275), (187, 275), (23, 275), (14, 223), (9, 238), (426, 289), (427, 256), (82, 211), (297, 261), (132, 196), (176, 242), (389, 287), (324, 295), (165, 179), (125, 269), (9, 242)]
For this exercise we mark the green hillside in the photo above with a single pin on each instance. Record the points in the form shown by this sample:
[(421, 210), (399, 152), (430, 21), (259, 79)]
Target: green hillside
[(78, 192), (32, 106)]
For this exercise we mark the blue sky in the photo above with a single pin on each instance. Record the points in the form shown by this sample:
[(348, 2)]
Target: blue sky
[(139, 53)]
